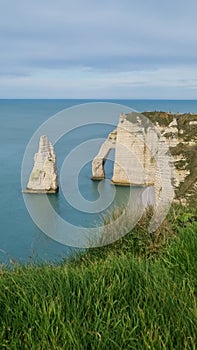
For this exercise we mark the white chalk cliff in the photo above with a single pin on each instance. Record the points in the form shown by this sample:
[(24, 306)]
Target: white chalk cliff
[(163, 155), (137, 146), (142, 158), (44, 176)]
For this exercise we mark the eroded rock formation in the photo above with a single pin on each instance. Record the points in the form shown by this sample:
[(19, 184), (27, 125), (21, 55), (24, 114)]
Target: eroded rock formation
[(44, 177), (136, 147), (163, 156), (98, 163)]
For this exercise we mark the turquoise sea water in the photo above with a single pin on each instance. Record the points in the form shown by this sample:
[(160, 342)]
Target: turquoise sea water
[(20, 238)]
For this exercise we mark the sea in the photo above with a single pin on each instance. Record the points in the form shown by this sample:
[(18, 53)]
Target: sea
[(22, 239)]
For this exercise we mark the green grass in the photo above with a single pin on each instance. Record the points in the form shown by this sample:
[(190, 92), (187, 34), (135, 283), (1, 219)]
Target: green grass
[(139, 293)]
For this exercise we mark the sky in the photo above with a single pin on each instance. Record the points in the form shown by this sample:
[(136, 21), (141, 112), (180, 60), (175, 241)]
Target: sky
[(98, 49)]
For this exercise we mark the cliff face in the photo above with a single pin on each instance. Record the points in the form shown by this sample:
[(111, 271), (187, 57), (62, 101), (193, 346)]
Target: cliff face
[(136, 148), (162, 155), (180, 131)]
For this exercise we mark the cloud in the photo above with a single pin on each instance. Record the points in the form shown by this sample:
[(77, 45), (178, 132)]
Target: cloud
[(162, 83), (97, 37)]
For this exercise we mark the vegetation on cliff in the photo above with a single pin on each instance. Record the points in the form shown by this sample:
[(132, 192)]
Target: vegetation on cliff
[(185, 150)]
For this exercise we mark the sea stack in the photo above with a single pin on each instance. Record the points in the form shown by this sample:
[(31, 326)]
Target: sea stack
[(44, 176)]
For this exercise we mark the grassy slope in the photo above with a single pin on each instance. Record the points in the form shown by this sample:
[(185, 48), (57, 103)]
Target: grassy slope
[(131, 295)]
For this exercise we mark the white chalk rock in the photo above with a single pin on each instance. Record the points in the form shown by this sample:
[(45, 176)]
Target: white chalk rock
[(44, 176), (99, 161)]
